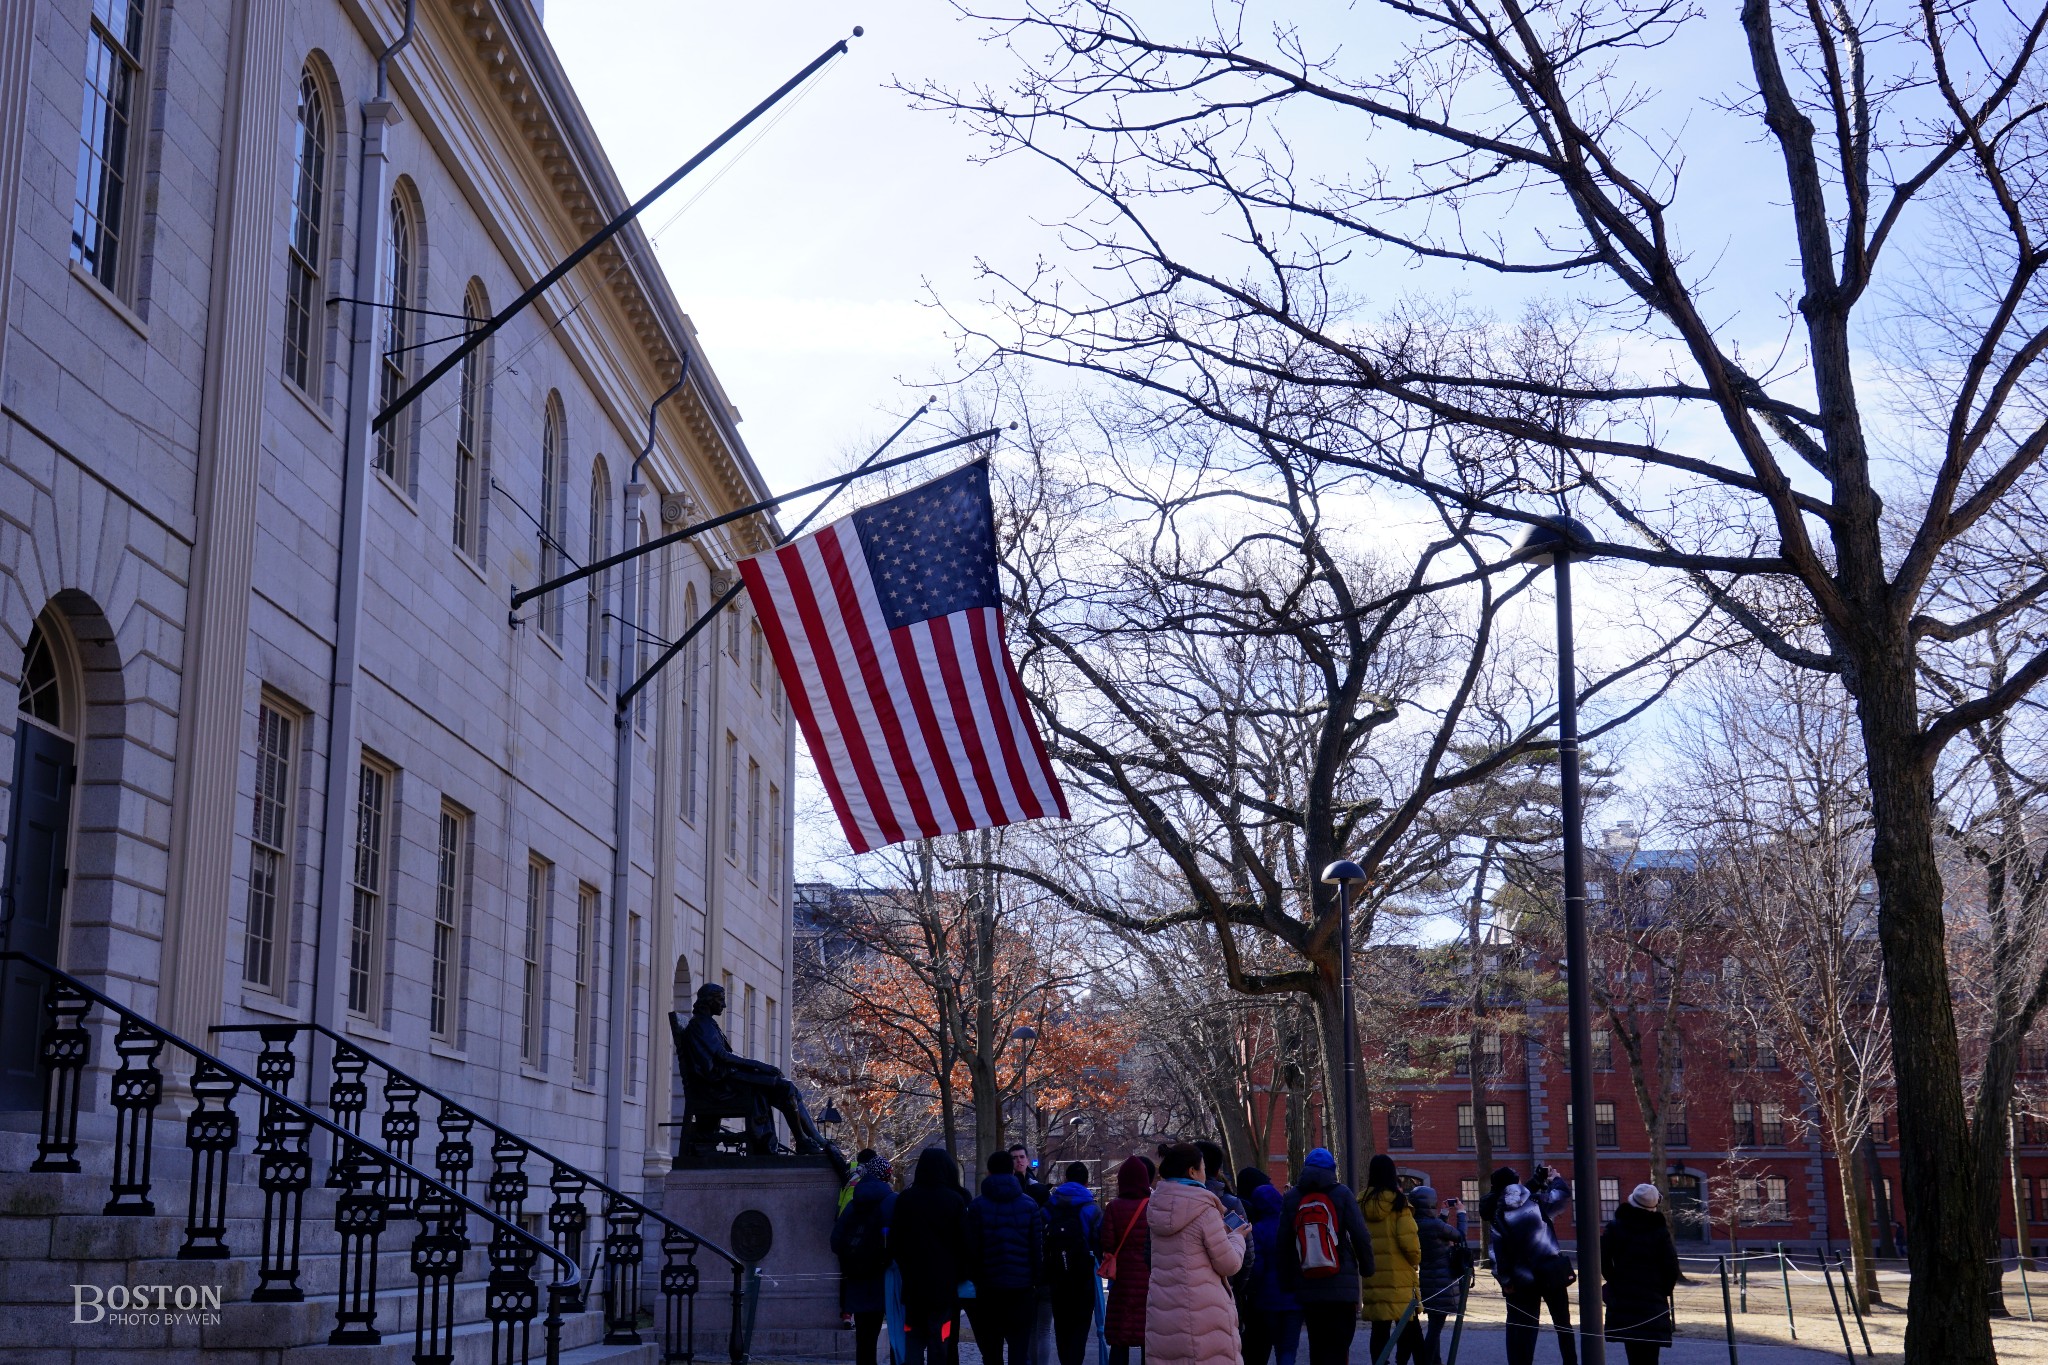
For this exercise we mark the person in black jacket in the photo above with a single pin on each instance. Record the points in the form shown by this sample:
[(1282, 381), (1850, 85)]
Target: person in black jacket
[(1329, 1303), (860, 1239), (928, 1240), (1640, 1266), (1005, 1260), (1533, 1271)]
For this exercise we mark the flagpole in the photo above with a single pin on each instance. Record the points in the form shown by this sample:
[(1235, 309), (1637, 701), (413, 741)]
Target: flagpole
[(604, 234), (521, 596), (711, 612)]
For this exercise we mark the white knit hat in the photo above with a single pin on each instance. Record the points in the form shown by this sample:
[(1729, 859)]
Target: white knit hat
[(1644, 1196)]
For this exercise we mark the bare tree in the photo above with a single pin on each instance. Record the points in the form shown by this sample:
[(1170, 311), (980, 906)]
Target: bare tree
[(1871, 476), (1775, 798), (1238, 702)]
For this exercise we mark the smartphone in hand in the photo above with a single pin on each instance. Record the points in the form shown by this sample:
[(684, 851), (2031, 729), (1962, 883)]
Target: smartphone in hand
[(1233, 1220)]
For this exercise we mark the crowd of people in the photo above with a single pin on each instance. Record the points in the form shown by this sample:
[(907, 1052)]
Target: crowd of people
[(1185, 1266)]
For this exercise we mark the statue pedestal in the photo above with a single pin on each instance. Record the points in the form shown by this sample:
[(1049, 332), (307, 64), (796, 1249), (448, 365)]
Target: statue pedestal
[(797, 1313)]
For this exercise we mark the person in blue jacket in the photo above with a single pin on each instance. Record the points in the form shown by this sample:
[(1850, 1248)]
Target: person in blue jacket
[(1269, 1314), (1073, 1239), (1006, 1262), (1533, 1271)]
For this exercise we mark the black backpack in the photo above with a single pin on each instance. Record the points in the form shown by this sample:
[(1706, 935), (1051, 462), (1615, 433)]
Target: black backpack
[(1066, 1242), (864, 1250)]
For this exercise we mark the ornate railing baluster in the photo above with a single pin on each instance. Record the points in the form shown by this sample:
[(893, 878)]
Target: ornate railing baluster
[(436, 1261), (455, 1154), (67, 1047), (347, 1097), (511, 1299), (679, 1280), (276, 1066), (624, 1249), (359, 1218), (508, 1184), (211, 1131), (284, 1170), (136, 1088), (401, 1129), (567, 1217)]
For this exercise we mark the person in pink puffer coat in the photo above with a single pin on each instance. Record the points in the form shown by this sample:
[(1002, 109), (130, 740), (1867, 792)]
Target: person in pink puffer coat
[(1190, 1313)]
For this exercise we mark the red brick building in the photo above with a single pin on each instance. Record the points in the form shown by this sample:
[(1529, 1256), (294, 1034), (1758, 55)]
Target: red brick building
[(1745, 1143)]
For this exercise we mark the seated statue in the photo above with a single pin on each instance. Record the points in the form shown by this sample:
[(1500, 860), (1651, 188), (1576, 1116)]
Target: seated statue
[(718, 1083)]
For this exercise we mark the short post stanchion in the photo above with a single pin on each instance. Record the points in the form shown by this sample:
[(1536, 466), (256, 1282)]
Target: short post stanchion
[(1727, 1311), (1458, 1326), (1849, 1293), (1742, 1264), (1785, 1278), (2025, 1292), (1848, 1350)]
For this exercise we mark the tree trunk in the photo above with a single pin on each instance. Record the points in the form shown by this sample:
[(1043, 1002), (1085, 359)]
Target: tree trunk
[(1482, 1141), (1856, 1218), (1329, 1003), (1887, 1247), (1948, 1308)]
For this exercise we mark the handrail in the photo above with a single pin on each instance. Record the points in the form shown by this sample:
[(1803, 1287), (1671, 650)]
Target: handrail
[(539, 1151), (558, 1289)]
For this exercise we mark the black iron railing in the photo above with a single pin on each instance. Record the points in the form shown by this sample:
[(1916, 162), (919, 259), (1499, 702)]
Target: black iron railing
[(628, 1223), (361, 1171)]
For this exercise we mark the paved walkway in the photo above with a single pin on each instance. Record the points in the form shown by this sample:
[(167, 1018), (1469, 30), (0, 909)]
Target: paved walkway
[(1488, 1346)]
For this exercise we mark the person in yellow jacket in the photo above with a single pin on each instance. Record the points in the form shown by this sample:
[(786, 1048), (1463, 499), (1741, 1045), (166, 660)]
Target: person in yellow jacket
[(1390, 1291)]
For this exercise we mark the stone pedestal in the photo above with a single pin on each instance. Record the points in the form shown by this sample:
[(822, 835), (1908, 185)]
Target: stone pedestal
[(797, 1309)]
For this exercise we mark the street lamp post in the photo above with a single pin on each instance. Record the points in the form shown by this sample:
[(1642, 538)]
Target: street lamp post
[(1345, 874), (1551, 543)]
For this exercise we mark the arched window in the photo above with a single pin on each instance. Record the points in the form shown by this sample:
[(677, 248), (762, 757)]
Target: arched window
[(691, 656), (470, 435), (597, 664), (302, 294), (553, 485), (401, 333)]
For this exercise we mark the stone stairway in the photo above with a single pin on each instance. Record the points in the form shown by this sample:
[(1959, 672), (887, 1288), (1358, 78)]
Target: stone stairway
[(55, 1237)]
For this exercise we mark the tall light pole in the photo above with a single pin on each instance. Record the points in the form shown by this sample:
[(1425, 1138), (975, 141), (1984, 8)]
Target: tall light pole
[(1552, 543), (1345, 874)]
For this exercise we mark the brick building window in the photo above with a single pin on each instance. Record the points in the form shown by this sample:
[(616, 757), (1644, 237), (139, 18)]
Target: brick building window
[(1603, 1050), (1742, 1124), (106, 158), (1676, 1131), (1496, 1126), (1489, 1055), (1767, 1198), (1610, 1197), (1401, 1125), (1770, 1124), (1605, 1133), (304, 299), (1468, 1191)]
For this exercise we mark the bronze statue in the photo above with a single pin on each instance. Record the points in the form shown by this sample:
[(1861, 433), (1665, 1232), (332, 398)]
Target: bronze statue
[(718, 1084)]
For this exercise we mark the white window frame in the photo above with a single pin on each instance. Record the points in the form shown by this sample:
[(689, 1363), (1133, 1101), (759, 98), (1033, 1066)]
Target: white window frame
[(753, 821), (399, 330), (532, 981), (370, 881), (305, 293), (774, 843), (589, 906), (451, 903), (732, 797), (109, 154), (267, 914), (472, 434)]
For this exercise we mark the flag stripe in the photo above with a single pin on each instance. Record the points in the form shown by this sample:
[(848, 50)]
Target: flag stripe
[(875, 691), (1041, 776), (948, 659), (767, 581), (957, 759), (937, 751), (999, 716), (843, 710)]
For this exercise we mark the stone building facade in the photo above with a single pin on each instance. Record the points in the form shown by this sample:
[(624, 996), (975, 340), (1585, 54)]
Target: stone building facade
[(281, 751)]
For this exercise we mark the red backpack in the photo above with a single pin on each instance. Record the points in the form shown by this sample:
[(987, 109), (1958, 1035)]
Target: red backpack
[(1315, 1236)]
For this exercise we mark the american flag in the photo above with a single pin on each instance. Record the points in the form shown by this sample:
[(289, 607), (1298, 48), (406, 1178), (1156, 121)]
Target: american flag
[(888, 633)]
